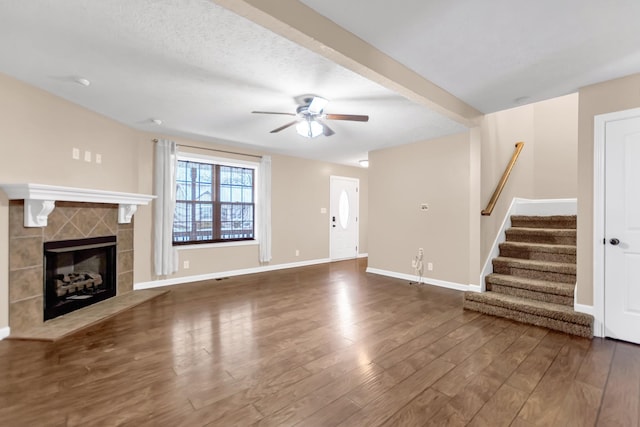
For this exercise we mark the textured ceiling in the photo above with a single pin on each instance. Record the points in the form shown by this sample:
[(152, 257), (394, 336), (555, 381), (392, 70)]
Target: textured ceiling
[(202, 69), (493, 53)]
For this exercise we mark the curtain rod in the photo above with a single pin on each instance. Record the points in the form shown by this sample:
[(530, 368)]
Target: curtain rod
[(214, 149)]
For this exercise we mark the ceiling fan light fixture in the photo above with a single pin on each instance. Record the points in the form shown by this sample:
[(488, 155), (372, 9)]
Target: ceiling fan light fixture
[(317, 105), (309, 128)]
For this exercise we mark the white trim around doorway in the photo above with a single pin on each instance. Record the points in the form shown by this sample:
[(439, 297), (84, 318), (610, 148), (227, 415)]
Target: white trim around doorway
[(600, 125)]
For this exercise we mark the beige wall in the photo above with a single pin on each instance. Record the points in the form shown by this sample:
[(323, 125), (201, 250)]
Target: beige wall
[(40, 130), (547, 166), (608, 97), (556, 148), (401, 178)]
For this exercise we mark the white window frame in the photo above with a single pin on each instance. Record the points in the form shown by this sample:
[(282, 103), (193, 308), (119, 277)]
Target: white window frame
[(223, 161)]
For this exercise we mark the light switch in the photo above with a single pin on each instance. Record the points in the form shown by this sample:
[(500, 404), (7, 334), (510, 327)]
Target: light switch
[(98, 158), (75, 154), (87, 156)]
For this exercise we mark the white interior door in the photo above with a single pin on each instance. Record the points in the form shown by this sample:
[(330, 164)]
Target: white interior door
[(343, 218), (622, 229)]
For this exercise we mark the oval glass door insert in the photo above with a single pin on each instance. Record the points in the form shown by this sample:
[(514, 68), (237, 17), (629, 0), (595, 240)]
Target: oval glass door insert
[(343, 209)]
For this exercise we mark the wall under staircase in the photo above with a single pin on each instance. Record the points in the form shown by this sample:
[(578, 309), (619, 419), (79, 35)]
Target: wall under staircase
[(534, 276)]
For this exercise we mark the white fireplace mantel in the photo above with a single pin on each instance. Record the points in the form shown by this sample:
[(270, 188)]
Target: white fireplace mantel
[(40, 199)]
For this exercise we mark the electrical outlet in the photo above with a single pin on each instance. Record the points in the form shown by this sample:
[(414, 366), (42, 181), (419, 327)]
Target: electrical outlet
[(185, 265), (98, 158), (75, 154), (297, 252), (430, 266)]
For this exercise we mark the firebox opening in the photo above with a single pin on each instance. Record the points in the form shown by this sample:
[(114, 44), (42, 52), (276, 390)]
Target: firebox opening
[(78, 273)]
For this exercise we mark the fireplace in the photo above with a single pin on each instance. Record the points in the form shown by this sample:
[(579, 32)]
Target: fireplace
[(78, 273)]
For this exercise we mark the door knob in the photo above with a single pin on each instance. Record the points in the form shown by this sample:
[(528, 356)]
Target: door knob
[(614, 242)]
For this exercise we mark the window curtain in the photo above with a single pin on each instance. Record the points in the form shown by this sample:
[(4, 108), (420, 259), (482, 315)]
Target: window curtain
[(166, 163), (264, 209)]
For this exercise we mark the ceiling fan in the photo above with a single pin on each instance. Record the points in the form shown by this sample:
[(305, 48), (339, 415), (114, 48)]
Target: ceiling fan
[(310, 115)]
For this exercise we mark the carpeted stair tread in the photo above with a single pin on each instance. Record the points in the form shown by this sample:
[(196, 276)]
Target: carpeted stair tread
[(531, 319), (541, 247), (560, 236), (539, 251), (536, 308), (551, 231), (556, 288), (529, 264), (533, 269), (553, 221)]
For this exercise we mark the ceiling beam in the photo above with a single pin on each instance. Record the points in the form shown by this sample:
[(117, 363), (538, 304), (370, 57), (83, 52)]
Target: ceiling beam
[(304, 26)]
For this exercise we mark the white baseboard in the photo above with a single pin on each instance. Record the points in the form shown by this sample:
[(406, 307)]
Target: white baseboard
[(475, 288), (424, 280), (581, 308), (4, 332), (598, 328), (220, 274)]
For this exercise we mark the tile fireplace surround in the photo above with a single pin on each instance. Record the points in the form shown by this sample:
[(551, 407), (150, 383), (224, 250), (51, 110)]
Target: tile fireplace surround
[(68, 213), (69, 220)]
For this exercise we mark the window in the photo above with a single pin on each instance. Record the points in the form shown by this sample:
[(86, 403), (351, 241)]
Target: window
[(214, 203)]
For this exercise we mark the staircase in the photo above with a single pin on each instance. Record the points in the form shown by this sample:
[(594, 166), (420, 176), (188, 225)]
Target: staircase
[(534, 276)]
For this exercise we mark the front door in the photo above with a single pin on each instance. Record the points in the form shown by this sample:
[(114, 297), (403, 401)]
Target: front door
[(622, 229), (343, 219)]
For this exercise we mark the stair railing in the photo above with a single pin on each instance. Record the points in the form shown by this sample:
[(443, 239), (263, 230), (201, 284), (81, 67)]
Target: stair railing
[(503, 181)]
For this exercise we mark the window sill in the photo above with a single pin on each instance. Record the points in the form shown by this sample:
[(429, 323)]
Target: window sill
[(218, 245)]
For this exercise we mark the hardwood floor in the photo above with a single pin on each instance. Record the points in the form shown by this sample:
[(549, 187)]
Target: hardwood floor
[(317, 346)]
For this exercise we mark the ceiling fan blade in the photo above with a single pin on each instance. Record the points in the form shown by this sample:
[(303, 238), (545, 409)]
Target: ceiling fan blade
[(352, 117), (272, 112), (284, 127), (326, 130)]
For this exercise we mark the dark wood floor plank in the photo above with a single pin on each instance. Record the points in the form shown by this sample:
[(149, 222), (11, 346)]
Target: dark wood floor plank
[(461, 408), (455, 380), (321, 345), (546, 401), (373, 389), (420, 409), (595, 367), (533, 368), (409, 348), (382, 408), (332, 414), (501, 408), (580, 405), (621, 401), (503, 367)]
